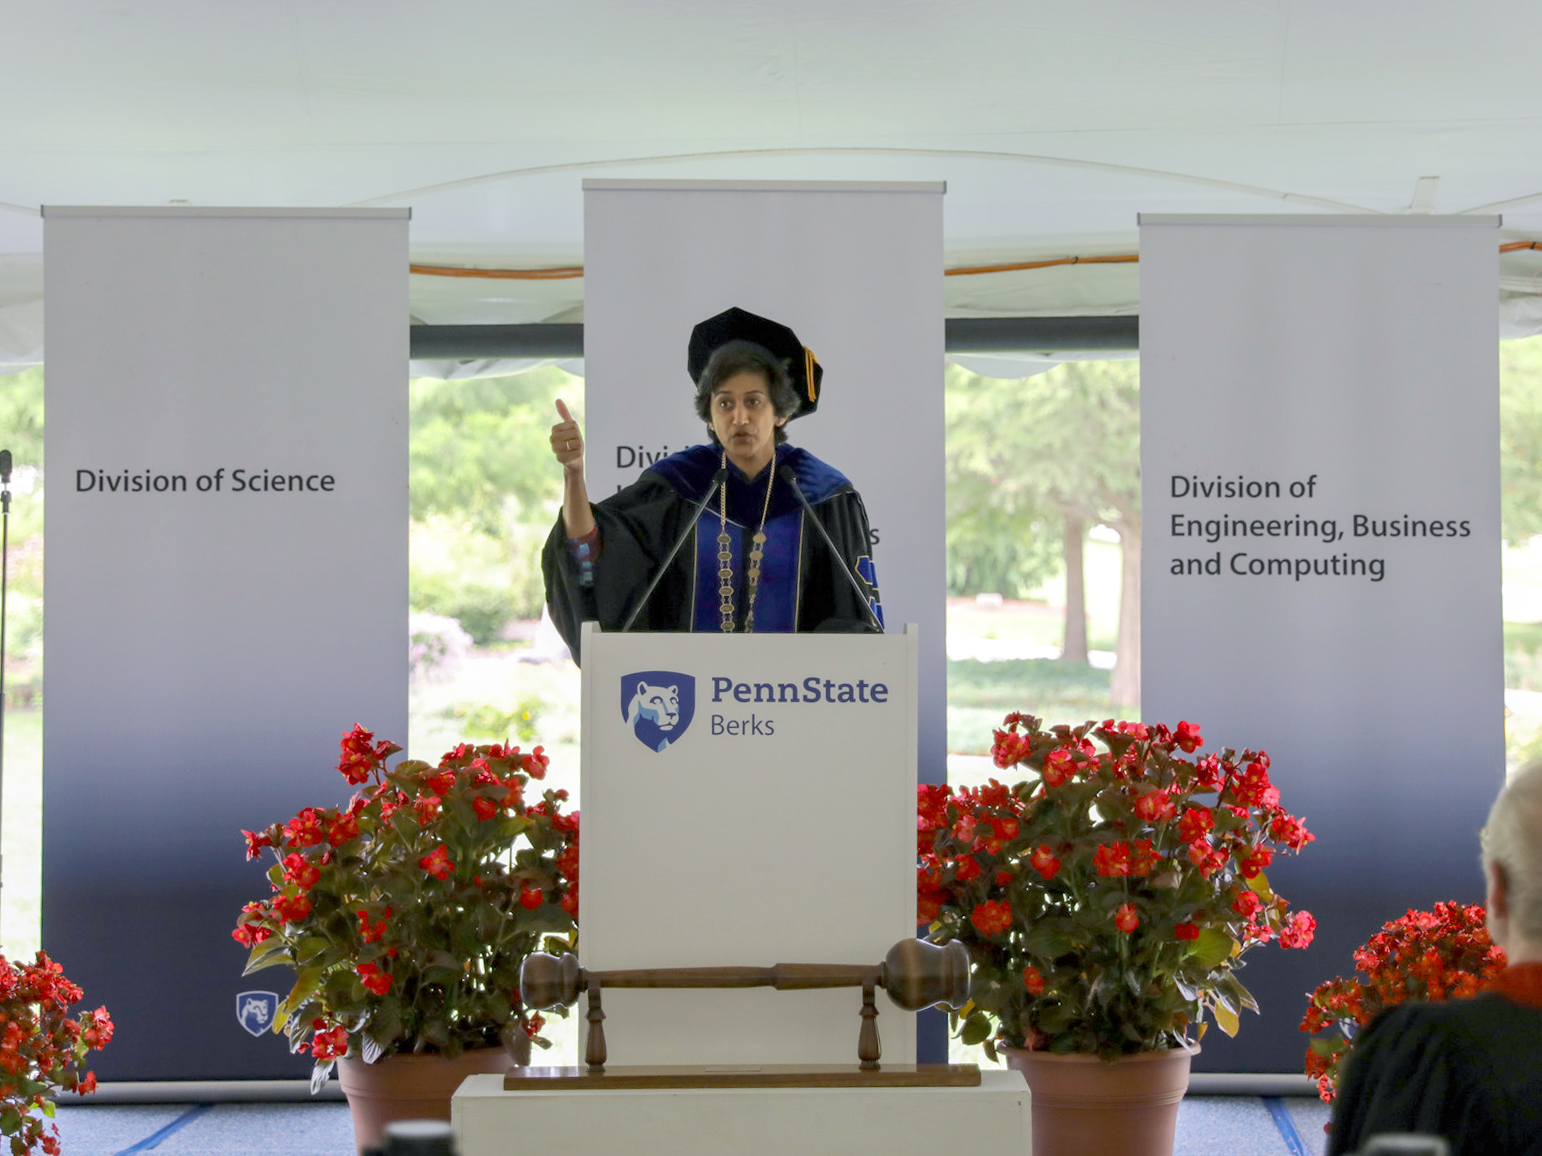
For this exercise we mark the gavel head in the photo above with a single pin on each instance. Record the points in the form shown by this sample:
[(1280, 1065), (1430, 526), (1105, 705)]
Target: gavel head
[(918, 974), (547, 981)]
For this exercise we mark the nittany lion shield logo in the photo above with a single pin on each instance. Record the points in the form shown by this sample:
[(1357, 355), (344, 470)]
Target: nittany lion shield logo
[(254, 1010), (658, 705)]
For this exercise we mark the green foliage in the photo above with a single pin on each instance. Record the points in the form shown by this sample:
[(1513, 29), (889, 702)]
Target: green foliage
[(481, 473), (479, 448), (1024, 454), (1523, 655), (1520, 438), (1065, 441), (999, 537), (1107, 899), (21, 432), (482, 611), (484, 721), (406, 916)]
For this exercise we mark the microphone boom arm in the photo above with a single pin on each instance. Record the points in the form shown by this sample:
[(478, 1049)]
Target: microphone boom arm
[(791, 479), (718, 479)]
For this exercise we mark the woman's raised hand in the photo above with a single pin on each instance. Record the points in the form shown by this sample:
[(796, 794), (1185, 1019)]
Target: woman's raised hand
[(567, 443)]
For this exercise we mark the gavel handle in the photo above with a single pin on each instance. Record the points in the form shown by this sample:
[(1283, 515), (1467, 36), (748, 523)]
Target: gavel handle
[(783, 977)]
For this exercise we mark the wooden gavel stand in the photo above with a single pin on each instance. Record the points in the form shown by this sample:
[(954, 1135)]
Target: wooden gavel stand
[(915, 974)]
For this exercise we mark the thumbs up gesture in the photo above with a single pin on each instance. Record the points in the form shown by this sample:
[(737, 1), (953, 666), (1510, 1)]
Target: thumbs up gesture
[(567, 441)]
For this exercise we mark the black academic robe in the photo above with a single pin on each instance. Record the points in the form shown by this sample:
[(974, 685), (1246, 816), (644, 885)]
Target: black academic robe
[(1469, 1070), (801, 586)]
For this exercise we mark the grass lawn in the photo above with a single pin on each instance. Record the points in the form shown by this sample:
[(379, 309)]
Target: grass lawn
[(980, 693)]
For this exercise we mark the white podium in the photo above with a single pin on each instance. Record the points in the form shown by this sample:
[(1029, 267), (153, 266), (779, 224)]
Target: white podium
[(775, 825), (747, 800), (995, 1118)]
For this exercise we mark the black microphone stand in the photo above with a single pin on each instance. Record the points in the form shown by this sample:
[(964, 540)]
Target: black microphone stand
[(788, 476), (718, 479)]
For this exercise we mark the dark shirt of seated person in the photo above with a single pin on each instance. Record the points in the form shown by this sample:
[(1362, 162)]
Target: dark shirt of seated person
[(1469, 1070)]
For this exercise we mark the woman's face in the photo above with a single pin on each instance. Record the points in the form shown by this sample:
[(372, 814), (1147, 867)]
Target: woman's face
[(745, 421)]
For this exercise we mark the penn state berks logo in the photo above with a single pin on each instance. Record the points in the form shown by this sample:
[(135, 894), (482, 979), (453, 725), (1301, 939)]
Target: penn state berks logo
[(255, 1009), (658, 705)]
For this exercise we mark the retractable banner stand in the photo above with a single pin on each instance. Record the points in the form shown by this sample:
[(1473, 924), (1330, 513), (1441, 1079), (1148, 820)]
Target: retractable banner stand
[(1321, 555), (226, 590), (856, 271)]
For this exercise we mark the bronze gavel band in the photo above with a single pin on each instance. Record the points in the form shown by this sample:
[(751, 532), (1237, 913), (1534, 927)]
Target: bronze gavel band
[(915, 974)]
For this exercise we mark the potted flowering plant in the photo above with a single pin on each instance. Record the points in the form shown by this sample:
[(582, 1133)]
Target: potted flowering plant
[(1424, 955), (406, 914), (1107, 900), (42, 1050)]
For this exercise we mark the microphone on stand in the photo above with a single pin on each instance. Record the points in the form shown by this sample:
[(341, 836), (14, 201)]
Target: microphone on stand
[(5, 467), (785, 472), (718, 479)]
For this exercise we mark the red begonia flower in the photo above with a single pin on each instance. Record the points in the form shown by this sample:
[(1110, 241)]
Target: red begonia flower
[(993, 917), (1188, 929), (373, 978), (1194, 823), (535, 763), (1255, 861), (343, 828), (255, 842), (1125, 919), (1032, 980), (300, 871), (1112, 859), (1247, 904), (1299, 929), (304, 830), (1058, 767), (370, 933), (291, 908), (437, 863), (1044, 861), (330, 1045), (1187, 736)]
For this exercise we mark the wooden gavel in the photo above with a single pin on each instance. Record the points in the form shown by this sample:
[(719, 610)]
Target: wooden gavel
[(916, 974)]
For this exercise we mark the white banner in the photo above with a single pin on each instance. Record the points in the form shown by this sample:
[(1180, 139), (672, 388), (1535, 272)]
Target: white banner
[(1321, 554), (855, 270), (226, 587)]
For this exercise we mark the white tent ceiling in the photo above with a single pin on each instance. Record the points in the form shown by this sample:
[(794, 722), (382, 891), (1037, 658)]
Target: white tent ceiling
[(1053, 124)]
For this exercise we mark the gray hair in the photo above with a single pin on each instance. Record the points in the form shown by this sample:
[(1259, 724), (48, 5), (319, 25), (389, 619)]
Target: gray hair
[(1512, 839), (736, 357)]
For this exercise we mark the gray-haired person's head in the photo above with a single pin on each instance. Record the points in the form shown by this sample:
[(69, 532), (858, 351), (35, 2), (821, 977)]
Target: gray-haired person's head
[(1512, 841), (736, 357)]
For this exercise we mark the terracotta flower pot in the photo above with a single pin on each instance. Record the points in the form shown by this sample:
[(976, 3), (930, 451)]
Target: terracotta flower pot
[(408, 1087), (1083, 1105)]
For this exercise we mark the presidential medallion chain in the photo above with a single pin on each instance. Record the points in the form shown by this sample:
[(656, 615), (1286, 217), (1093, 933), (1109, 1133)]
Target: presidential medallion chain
[(725, 571)]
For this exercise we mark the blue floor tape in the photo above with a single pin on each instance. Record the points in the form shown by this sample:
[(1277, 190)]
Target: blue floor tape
[(1293, 1142), (154, 1138)]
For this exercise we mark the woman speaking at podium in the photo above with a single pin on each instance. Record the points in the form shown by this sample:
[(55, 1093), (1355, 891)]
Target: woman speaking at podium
[(746, 510)]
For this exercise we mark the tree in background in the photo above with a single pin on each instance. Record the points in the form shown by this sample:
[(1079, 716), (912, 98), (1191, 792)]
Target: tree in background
[(480, 469), (1520, 439), (1044, 459), (21, 432), (1000, 538)]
